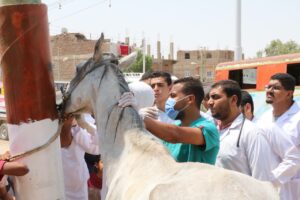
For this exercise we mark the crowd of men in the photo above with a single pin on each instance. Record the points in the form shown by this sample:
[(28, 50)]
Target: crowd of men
[(227, 134)]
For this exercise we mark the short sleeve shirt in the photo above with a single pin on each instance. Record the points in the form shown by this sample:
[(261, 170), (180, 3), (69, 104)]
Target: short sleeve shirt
[(196, 153)]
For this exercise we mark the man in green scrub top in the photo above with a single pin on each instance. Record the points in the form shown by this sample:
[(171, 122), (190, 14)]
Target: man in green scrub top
[(191, 138)]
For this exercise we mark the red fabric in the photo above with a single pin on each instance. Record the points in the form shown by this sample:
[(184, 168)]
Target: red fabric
[(124, 50), (94, 181), (2, 162)]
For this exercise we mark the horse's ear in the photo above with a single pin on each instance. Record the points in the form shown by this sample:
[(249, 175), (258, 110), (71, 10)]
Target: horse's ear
[(98, 49), (126, 61)]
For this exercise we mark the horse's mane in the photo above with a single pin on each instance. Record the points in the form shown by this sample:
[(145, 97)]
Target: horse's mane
[(123, 87), (88, 66)]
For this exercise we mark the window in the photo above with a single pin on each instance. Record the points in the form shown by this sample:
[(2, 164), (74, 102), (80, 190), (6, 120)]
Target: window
[(245, 77), (187, 56), (187, 73), (208, 55), (294, 70), (209, 74)]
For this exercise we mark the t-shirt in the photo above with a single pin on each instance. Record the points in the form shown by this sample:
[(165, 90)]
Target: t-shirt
[(196, 153)]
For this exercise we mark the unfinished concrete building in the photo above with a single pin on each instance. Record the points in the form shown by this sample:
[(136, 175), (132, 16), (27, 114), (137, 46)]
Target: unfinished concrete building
[(200, 63), (160, 63)]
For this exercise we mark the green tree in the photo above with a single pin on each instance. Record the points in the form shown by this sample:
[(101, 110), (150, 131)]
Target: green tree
[(137, 66), (259, 54), (277, 47)]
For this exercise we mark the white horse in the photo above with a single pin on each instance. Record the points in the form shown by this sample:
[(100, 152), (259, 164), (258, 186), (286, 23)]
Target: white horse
[(137, 166)]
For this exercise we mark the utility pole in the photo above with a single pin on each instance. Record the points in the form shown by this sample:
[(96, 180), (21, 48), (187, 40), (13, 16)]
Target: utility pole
[(32, 117), (58, 63), (202, 67), (144, 56), (238, 40)]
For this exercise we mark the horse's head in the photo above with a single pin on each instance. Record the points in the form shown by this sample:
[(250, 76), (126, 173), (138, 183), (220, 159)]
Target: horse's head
[(98, 72)]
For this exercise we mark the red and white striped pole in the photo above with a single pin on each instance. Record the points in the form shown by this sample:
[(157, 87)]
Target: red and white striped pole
[(30, 97)]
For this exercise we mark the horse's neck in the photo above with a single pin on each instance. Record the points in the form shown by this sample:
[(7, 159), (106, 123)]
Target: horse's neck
[(112, 123), (112, 138)]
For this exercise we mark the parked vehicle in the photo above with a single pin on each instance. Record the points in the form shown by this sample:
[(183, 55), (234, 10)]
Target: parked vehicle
[(253, 74)]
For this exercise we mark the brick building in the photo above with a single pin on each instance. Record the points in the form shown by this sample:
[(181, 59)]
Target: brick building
[(163, 65), (200, 63), (69, 49)]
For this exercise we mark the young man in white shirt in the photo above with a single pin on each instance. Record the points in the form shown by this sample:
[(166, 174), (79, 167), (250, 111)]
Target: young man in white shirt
[(285, 112), (75, 141), (243, 147), (287, 156), (286, 115), (161, 84)]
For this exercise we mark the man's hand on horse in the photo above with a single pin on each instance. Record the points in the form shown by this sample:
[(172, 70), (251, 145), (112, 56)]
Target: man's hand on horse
[(128, 99), (151, 112)]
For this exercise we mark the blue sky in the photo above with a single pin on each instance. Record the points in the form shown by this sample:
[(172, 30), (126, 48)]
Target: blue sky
[(190, 24)]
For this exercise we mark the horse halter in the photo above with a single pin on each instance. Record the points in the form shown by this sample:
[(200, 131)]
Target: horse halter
[(81, 74)]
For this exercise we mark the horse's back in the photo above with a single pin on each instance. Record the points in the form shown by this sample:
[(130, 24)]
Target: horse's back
[(208, 182), (148, 172)]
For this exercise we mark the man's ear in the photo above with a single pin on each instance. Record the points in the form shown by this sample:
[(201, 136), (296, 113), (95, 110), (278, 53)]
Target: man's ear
[(234, 99), (248, 107), (191, 98), (290, 94)]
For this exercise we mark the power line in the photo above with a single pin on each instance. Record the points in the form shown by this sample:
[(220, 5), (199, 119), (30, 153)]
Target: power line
[(57, 29), (78, 11), (59, 4)]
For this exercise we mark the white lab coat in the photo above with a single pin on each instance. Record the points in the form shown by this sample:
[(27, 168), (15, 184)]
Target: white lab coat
[(287, 159), (288, 121), (287, 173), (208, 117), (250, 157), (75, 170)]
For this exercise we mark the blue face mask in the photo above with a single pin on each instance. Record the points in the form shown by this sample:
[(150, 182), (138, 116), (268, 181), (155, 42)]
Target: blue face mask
[(170, 110)]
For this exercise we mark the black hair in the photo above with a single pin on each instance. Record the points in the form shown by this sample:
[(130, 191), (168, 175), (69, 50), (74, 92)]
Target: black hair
[(91, 160), (192, 86), (146, 76), (206, 95), (165, 75), (287, 81), (230, 88), (246, 98)]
